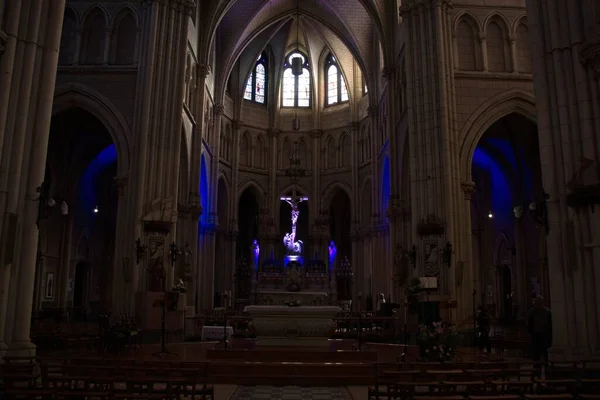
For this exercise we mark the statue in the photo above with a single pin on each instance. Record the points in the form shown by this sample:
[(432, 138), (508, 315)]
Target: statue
[(332, 254), (255, 253), (292, 246)]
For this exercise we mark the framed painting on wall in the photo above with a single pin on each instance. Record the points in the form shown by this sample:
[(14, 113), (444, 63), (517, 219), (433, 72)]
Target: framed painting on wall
[(49, 286)]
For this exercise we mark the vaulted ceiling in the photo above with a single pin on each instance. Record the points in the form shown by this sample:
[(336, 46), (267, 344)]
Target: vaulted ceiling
[(244, 27)]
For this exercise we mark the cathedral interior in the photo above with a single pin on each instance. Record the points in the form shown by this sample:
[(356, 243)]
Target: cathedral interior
[(436, 152)]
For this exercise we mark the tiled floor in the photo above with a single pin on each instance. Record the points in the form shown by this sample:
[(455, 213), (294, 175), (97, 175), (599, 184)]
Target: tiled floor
[(290, 393)]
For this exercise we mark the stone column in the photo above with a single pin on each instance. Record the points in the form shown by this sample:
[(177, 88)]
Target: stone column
[(272, 196), (566, 69), (467, 270), (157, 125), (37, 42), (124, 257), (433, 142), (514, 63), (484, 54)]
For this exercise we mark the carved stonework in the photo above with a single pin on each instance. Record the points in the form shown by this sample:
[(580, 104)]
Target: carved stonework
[(398, 210), (354, 126), (468, 189), (218, 109), (203, 70), (432, 225), (316, 133), (411, 7), (590, 54), (431, 259)]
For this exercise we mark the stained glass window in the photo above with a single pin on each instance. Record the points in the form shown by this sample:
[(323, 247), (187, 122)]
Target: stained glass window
[(332, 84), (256, 86), (295, 89), (259, 86), (337, 91)]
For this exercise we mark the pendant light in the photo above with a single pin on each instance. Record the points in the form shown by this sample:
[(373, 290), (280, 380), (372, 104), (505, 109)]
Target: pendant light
[(297, 59)]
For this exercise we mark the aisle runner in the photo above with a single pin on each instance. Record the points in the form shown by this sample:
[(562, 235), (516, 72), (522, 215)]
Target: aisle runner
[(290, 393)]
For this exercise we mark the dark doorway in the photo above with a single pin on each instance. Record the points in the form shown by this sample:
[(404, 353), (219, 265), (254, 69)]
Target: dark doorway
[(507, 292)]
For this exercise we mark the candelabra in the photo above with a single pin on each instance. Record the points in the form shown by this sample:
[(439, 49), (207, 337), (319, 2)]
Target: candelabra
[(174, 252), (46, 203), (538, 210), (295, 171)]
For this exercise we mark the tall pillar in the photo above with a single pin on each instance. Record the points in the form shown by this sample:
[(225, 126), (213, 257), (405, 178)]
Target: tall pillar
[(433, 143), (124, 257), (566, 73), (65, 262), (157, 125), (26, 138)]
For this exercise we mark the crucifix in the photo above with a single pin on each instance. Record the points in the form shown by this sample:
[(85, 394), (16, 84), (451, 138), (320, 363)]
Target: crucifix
[(294, 200)]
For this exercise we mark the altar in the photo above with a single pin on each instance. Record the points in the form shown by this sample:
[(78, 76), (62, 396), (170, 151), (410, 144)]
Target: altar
[(292, 326)]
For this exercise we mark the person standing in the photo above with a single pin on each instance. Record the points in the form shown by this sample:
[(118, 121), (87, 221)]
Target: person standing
[(539, 323)]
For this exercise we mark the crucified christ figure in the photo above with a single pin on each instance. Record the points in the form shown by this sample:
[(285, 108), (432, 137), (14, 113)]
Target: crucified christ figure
[(290, 238)]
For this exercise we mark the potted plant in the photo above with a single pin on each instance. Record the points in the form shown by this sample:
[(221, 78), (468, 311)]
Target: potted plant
[(437, 342)]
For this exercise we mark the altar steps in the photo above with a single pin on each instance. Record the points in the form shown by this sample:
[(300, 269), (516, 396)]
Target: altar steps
[(300, 354), (291, 373)]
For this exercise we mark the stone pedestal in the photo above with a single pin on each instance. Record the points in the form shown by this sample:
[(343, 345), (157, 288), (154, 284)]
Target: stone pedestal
[(292, 326)]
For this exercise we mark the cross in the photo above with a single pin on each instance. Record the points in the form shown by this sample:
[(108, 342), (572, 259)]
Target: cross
[(294, 200)]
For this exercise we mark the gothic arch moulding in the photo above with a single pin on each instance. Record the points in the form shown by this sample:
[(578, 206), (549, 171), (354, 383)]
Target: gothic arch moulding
[(299, 188), (522, 19), (74, 95), (508, 102), (498, 17), (255, 187), (122, 11), (330, 190), (469, 18)]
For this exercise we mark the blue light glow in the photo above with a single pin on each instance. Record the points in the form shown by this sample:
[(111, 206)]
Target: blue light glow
[(385, 185), (502, 203), (87, 196), (203, 193), (526, 174)]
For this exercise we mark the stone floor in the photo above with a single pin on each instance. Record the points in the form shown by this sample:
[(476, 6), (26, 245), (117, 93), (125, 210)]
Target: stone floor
[(290, 393)]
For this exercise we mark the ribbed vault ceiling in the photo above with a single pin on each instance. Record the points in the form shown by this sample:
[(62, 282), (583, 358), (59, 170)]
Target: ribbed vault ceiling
[(347, 27)]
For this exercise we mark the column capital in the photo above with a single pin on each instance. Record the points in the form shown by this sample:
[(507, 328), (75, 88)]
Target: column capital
[(203, 70), (238, 124), (219, 109), (481, 36), (120, 182), (512, 38), (316, 133), (273, 133), (468, 189)]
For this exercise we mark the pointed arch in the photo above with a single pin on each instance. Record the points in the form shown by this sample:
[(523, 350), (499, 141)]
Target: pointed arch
[(330, 153), (74, 94), (468, 47), (257, 189), (259, 152), (511, 101), (286, 152), (93, 41), (245, 149), (303, 149), (498, 51), (69, 35), (345, 150), (467, 15), (296, 90), (124, 38), (330, 191)]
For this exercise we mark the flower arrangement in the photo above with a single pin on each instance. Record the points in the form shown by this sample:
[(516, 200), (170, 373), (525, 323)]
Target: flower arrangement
[(437, 342), (179, 287)]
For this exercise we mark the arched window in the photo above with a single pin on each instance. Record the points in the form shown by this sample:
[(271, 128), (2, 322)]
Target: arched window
[(337, 92), (256, 86), (296, 89)]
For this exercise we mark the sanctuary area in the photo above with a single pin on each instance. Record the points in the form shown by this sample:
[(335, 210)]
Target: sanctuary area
[(226, 194)]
